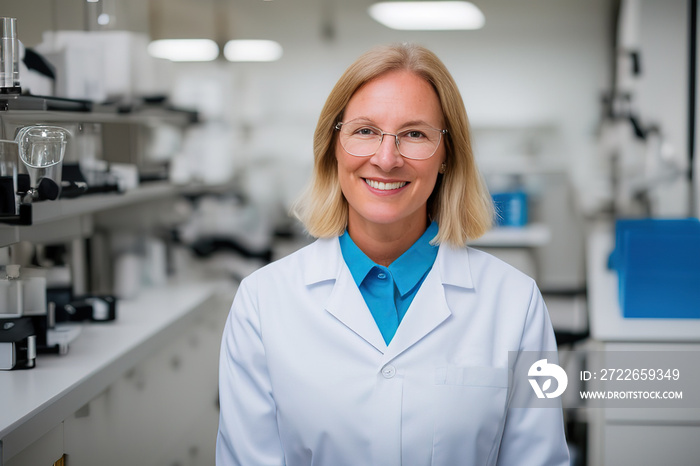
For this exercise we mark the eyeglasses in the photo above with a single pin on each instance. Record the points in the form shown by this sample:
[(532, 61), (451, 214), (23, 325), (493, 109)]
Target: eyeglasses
[(417, 142)]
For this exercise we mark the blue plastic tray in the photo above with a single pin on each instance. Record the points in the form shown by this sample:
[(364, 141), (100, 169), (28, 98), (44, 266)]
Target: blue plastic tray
[(658, 265)]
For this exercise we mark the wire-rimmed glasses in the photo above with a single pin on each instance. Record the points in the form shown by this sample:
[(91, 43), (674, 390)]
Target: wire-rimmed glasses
[(418, 142)]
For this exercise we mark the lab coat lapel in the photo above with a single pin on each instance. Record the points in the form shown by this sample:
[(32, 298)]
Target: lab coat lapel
[(429, 308), (345, 302), (348, 306)]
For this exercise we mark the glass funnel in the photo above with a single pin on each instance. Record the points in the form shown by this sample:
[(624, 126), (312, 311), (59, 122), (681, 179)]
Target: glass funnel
[(41, 150)]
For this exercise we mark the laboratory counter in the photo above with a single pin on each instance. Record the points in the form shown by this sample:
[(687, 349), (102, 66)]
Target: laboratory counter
[(37, 404)]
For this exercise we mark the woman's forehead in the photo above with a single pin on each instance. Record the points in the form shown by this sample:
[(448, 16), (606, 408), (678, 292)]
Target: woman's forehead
[(396, 97)]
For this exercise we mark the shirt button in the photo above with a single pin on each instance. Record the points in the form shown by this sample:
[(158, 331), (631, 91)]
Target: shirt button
[(388, 371), (381, 275)]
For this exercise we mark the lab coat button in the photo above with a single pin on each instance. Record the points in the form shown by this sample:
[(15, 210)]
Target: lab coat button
[(388, 372)]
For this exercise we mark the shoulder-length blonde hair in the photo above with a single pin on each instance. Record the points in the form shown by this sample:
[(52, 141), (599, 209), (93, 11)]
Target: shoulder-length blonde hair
[(460, 202)]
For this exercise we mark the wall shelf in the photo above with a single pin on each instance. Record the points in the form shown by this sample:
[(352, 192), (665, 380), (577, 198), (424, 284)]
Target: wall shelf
[(64, 219)]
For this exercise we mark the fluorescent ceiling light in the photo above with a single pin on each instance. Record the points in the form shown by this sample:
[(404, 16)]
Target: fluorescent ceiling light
[(428, 16), (252, 50), (184, 49)]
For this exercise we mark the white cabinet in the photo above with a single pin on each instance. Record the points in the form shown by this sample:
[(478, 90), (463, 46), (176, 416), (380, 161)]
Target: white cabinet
[(668, 445), (162, 411), (46, 450), (643, 436), (140, 390)]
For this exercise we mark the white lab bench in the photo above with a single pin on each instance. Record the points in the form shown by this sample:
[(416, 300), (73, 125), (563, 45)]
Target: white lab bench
[(139, 390), (528, 236), (650, 436), (515, 245)]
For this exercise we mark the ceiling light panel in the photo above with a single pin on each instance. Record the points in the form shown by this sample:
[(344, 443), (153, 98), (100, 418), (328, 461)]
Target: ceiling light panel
[(428, 16), (252, 50), (184, 49)]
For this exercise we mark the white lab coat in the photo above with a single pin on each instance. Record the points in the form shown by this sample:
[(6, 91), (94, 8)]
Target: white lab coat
[(306, 378)]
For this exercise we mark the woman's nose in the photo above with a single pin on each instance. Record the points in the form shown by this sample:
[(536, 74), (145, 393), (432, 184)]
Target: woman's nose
[(387, 156)]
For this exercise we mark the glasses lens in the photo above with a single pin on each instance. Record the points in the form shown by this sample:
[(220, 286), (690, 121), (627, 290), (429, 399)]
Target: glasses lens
[(362, 140), (419, 143)]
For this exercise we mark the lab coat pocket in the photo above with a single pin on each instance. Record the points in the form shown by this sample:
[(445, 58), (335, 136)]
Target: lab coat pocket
[(469, 407)]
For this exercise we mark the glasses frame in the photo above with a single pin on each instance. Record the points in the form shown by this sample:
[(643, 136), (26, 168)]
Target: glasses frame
[(383, 133)]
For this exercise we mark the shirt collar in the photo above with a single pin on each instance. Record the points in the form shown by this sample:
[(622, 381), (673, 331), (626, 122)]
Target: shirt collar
[(356, 260), (406, 271), (413, 264)]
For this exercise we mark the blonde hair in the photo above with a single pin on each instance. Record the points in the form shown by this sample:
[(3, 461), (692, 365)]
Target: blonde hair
[(460, 202)]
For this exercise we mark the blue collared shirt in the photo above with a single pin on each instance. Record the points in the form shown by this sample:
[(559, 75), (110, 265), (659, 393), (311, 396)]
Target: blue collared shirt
[(389, 291)]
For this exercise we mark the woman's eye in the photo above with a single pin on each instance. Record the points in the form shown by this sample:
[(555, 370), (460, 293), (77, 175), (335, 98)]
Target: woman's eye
[(365, 132), (414, 134)]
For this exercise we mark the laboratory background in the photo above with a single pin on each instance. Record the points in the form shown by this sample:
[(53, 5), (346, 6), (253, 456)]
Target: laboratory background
[(150, 152)]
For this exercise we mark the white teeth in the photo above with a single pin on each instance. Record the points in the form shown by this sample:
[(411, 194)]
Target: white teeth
[(385, 186)]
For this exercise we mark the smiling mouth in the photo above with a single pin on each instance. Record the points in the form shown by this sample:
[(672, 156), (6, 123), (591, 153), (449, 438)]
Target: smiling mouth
[(380, 185)]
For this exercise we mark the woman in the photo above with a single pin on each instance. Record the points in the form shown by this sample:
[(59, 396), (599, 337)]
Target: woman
[(386, 341)]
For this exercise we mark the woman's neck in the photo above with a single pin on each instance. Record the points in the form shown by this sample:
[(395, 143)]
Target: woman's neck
[(383, 243)]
